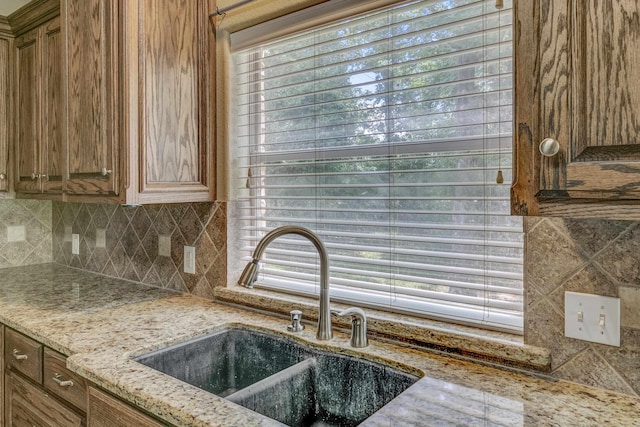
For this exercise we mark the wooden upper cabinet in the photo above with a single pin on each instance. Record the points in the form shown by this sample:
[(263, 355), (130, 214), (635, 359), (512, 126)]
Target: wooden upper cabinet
[(27, 114), (577, 68), (90, 71), (139, 78), (39, 139), (169, 81), (6, 45), (52, 150)]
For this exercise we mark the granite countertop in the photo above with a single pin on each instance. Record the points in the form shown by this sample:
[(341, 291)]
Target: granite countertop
[(100, 323)]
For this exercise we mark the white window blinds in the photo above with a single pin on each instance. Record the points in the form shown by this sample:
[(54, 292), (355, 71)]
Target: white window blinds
[(383, 133)]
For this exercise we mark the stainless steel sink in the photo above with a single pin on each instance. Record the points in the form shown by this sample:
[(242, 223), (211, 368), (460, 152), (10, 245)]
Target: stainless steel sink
[(282, 379), (226, 361)]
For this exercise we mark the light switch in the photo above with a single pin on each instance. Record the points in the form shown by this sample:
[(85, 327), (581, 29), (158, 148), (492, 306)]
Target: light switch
[(16, 233), (164, 245), (592, 318), (101, 238)]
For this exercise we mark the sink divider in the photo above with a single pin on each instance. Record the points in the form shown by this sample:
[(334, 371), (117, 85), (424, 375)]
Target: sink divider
[(299, 369), (284, 396)]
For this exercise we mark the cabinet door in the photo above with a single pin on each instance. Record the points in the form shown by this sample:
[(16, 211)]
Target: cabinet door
[(27, 112), (5, 86), (576, 76), (89, 26), (28, 405), (106, 411), (52, 108), (174, 91)]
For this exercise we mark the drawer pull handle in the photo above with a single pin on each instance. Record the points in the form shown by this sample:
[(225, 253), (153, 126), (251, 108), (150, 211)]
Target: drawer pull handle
[(18, 356), (62, 383)]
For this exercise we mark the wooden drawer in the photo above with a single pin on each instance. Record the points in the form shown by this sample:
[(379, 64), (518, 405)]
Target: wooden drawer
[(23, 354), (107, 411), (62, 382), (29, 405)]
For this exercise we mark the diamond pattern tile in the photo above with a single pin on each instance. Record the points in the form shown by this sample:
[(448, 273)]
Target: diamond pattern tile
[(131, 250), (35, 216), (591, 256)]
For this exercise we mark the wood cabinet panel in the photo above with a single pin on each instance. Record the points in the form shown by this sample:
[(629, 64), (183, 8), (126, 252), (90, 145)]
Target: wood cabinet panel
[(27, 115), (27, 405), (5, 108), (106, 411), (169, 80), (39, 99), (117, 103), (53, 106), (91, 146), (62, 382), (169, 60), (23, 354), (576, 68)]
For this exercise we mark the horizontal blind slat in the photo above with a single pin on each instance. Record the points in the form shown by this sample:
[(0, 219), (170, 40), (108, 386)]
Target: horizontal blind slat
[(384, 138)]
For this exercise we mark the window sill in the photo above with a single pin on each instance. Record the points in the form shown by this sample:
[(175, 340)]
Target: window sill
[(464, 341)]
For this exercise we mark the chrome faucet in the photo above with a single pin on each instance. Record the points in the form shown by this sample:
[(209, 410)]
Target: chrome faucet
[(358, 326), (250, 273)]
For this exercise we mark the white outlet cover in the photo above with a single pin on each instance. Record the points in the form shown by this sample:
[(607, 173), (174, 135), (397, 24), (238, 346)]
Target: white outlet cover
[(190, 259), (75, 244), (592, 308), (16, 233)]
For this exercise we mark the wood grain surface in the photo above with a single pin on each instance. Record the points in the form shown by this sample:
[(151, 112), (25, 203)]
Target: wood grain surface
[(577, 68)]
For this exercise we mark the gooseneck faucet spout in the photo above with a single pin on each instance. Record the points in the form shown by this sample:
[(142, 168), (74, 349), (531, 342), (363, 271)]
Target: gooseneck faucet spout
[(250, 273)]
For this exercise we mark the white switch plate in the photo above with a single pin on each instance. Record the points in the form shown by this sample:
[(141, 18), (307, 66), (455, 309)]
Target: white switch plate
[(592, 308), (101, 238), (68, 230), (75, 244), (190, 259), (16, 233), (164, 245)]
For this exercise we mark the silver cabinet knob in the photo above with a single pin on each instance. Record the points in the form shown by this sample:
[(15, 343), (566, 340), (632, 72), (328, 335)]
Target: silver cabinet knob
[(35, 176), (549, 147), (105, 171), (3, 176)]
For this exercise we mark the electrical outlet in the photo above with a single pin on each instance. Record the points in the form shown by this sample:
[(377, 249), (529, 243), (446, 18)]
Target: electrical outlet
[(75, 244), (592, 318), (190, 259)]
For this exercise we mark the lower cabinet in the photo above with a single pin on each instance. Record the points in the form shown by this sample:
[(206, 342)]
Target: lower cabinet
[(107, 411), (40, 391), (27, 404), (38, 388)]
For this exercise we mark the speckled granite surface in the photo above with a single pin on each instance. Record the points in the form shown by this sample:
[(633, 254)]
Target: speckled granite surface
[(101, 322)]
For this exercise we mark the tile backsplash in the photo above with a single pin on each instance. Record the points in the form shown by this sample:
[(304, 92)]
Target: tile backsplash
[(25, 232), (145, 243), (590, 256)]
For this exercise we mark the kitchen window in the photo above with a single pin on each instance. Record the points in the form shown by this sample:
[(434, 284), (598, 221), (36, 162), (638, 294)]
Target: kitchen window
[(384, 132)]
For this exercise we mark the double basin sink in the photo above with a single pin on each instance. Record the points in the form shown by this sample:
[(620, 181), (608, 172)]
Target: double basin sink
[(292, 383)]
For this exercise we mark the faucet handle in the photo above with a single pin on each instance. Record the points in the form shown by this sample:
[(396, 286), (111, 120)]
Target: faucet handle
[(296, 321), (358, 326)]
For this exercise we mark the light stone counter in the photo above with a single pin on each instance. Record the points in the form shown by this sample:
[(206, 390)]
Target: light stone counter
[(102, 322)]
